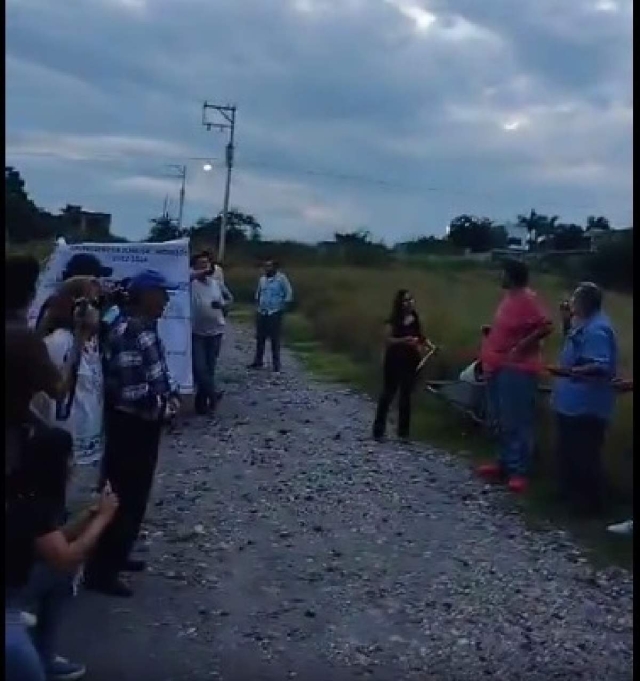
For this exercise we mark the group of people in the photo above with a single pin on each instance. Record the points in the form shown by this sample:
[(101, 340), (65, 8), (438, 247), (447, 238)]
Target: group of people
[(210, 302), (90, 384), (585, 383), (103, 346)]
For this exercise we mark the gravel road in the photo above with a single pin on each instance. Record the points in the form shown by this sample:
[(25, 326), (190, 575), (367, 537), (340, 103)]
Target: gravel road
[(284, 544)]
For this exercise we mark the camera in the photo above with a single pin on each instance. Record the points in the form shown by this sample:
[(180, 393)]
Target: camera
[(81, 308)]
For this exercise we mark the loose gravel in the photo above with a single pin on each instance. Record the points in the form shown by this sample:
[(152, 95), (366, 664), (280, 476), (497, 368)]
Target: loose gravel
[(284, 544)]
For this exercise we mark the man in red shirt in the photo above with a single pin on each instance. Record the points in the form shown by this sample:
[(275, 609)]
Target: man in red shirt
[(511, 360)]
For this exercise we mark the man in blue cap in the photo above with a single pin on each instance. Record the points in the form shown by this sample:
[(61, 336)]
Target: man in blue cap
[(140, 393)]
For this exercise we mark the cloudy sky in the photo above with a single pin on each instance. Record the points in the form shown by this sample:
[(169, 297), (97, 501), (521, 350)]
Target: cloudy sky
[(389, 115)]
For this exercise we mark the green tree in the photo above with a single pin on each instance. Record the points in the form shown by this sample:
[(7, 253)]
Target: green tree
[(241, 227), (475, 234), (164, 229), (540, 228), (598, 223)]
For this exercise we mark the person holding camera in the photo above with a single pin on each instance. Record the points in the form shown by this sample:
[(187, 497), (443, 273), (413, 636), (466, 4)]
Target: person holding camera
[(141, 394), (73, 315), (210, 299)]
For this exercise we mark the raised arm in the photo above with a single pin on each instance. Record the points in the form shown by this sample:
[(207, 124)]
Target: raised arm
[(226, 294), (286, 286)]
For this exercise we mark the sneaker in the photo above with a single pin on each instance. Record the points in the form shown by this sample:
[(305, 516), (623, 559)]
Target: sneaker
[(490, 471), (28, 619), (61, 669), (255, 365), (624, 529), (518, 484)]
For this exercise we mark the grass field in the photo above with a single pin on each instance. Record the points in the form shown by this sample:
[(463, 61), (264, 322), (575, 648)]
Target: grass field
[(337, 329)]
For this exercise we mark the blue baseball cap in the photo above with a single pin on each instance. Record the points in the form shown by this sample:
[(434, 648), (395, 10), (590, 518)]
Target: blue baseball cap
[(150, 279)]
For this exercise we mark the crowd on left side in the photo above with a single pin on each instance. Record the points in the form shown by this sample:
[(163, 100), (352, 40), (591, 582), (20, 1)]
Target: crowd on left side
[(89, 384)]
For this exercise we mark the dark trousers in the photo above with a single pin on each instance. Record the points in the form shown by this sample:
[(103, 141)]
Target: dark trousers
[(268, 328), (129, 464), (206, 350), (397, 377), (46, 595), (579, 442)]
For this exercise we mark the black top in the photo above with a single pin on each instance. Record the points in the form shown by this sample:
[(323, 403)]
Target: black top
[(406, 326), (26, 519)]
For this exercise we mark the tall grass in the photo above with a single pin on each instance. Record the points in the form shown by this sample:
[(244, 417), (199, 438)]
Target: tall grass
[(345, 308)]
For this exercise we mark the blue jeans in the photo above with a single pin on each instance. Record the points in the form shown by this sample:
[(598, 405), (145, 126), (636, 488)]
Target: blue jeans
[(21, 661), (46, 594), (206, 350), (512, 401)]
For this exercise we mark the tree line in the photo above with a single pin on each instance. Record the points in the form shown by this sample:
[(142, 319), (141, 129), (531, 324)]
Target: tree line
[(611, 264)]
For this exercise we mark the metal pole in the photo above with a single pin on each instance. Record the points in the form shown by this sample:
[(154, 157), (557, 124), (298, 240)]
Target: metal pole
[(228, 113), (182, 193), (227, 191)]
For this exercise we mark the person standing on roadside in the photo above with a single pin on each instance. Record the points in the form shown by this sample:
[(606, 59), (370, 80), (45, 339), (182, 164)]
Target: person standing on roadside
[(141, 393), (401, 358), (583, 398), (209, 301), (81, 412), (29, 369), (273, 295), (511, 360), (41, 556)]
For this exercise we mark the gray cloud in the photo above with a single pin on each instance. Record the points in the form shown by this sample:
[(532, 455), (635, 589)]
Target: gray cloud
[(434, 108)]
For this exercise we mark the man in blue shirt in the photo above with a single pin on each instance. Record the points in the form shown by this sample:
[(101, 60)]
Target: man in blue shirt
[(273, 295), (584, 397)]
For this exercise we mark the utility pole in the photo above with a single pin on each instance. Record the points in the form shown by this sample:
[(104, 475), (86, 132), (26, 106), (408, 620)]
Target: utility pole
[(182, 174), (224, 120)]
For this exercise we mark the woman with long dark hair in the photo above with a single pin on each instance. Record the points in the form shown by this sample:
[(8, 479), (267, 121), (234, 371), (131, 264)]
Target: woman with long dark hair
[(41, 556), (404, 341)]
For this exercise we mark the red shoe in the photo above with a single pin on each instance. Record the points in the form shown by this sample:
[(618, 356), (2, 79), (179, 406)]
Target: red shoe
[(490, 471), (518, 484)]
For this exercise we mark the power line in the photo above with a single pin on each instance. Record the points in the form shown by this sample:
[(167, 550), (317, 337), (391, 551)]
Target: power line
[(248, 164)]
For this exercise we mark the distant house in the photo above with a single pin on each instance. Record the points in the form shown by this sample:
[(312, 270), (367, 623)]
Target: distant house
[(517, 237), (599, 237), (85, 224)]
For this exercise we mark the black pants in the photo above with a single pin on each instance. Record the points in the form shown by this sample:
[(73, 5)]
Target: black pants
[(399, 376), (129, 464), (579, 442), (268, 327)]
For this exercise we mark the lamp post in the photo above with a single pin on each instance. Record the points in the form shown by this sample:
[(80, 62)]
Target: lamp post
[(226, 121)]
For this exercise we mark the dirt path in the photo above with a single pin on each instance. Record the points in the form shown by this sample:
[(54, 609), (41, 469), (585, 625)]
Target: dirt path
[(284, 544)]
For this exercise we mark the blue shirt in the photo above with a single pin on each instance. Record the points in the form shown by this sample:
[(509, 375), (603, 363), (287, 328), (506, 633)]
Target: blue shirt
[(273, 293), (592, 342)]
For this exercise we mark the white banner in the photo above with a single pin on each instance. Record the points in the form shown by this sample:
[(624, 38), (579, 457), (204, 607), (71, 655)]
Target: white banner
[(126, 260)]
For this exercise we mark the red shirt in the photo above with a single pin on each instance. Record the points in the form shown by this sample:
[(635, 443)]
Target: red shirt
[(519, 314)]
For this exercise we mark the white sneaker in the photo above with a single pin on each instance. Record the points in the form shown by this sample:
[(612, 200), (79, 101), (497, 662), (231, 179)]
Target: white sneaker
[(28, 619), (624, 529)]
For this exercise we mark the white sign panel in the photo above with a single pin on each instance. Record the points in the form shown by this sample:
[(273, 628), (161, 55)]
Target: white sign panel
[(126, 260)]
